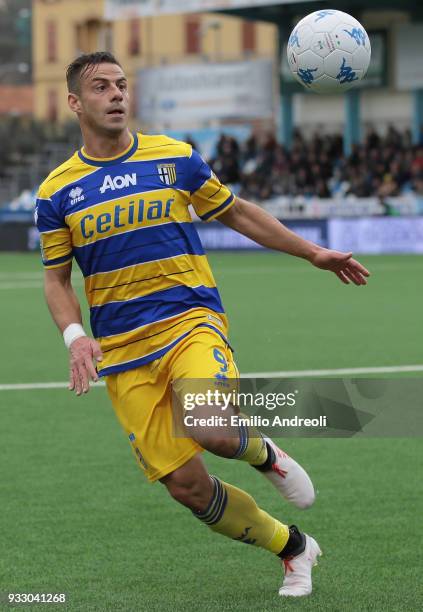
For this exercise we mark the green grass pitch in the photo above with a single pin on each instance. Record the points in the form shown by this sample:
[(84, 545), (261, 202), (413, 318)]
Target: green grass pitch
[(78, 517)]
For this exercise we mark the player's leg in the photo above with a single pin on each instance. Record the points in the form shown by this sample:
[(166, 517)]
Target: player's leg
[(142, 401), (205, 355), (224, 508), (232, 512)]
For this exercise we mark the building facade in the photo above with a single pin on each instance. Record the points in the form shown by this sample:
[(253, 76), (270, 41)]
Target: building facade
[(62, 29)]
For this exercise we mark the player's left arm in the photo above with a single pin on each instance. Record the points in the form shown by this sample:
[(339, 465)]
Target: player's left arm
[(255, 223)]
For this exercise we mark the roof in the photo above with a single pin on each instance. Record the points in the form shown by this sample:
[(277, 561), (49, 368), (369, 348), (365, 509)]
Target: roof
[(278, 13)]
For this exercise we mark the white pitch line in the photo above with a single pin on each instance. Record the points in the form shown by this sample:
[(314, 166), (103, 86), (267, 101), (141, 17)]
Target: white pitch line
[(334, 372), (45, 385), (280, 374)]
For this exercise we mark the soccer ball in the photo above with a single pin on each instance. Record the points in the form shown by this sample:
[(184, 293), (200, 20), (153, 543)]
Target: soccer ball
[(328, 51)]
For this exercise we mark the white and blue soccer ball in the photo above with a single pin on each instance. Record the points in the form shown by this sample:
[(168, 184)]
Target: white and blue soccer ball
[(329, 51)]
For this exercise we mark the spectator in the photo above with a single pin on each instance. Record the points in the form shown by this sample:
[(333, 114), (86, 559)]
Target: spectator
[(381, 166), (258, 169)]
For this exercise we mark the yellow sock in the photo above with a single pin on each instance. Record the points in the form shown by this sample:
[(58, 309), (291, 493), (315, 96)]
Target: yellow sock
[(235, 514), (252, 447)]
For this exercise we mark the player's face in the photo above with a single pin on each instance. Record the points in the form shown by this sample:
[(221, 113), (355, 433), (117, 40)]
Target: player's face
[(104, 100)]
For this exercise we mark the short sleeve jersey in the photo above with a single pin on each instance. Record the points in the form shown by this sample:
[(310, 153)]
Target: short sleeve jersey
[(126, 221)]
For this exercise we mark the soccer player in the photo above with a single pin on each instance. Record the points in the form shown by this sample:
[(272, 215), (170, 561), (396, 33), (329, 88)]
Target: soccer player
[(119, 206)]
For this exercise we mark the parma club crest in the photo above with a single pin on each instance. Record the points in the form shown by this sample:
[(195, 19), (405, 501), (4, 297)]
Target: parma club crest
[(167, 173)]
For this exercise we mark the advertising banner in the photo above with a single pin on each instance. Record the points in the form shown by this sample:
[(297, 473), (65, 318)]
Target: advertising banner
[(217, 236), (18, 236), (368, 235), (376, 235), (183, 93), (120, 9)]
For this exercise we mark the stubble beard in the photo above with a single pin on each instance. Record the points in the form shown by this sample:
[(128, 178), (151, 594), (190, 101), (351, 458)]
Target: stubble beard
[(107, 130)]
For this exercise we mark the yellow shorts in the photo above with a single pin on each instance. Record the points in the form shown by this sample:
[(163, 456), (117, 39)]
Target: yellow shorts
[(142, 399)]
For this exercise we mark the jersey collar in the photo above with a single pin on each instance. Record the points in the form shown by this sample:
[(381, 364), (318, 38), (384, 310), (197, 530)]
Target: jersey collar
[(109, 161)]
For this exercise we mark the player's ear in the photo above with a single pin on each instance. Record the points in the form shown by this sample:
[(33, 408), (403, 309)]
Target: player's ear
[(74, 102)]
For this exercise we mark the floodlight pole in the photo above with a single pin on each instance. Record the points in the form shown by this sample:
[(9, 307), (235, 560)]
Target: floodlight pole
[(286, 109), (352, 122), (417, 124), (286, 120)]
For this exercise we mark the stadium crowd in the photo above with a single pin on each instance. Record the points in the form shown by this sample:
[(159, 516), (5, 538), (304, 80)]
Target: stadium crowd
[(382, 166), (258, 169)]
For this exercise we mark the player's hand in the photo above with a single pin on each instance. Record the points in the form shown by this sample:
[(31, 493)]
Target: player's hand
[(83, 352), (342, 264)]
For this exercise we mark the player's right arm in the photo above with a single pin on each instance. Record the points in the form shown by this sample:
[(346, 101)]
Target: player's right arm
[(61, 298), (57, 253), (65, 310)]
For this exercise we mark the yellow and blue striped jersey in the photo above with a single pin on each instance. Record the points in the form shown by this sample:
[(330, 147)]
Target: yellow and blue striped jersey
[(126, 222)]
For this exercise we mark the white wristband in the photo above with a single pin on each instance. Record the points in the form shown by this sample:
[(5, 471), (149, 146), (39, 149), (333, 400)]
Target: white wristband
[(72, 332)]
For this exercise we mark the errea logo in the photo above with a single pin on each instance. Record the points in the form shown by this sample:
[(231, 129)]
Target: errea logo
[(76, 195), (118, 182)]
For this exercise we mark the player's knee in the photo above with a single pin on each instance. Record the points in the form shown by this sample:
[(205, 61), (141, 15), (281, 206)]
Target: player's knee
[(223, 447), (190, 491)]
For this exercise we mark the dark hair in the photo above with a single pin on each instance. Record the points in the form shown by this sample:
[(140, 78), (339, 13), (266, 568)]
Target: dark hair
[(81, 64)]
